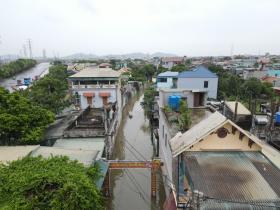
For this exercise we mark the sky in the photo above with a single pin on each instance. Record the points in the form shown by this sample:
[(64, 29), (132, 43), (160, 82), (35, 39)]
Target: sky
[(182, 27)]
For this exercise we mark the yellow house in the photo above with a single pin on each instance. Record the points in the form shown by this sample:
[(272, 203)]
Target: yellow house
[(218, 165)]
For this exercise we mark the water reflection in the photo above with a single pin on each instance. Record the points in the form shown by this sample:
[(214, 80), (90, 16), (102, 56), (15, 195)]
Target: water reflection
[(130, 188)]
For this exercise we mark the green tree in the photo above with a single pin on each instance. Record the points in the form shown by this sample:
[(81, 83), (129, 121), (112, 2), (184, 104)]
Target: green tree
[(179, 68), (148, 101), (50, 91), (54, 183), (184, 118), (21, 121)]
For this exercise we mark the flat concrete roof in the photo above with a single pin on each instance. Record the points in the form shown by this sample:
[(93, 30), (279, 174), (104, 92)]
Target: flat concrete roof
[(97, 144), (11, 153), (93, 72), (86, 157)]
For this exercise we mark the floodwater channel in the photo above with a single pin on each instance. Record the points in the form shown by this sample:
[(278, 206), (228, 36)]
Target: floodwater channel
[(39, 70), (131, 188)]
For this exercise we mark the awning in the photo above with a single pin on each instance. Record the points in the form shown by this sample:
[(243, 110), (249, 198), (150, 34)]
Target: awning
[(104, 94), (103, 167), (88, 94)]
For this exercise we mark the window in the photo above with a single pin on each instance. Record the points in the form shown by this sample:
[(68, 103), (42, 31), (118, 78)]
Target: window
[(162, 79), (77, 99), (205, 84), (104, 82), (75, 82)]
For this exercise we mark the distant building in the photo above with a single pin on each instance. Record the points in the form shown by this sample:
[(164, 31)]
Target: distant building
[(200, 79), (167, 79), (95, 87), (105, 65), (169, 62)]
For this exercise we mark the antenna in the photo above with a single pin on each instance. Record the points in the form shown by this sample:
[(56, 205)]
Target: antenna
[(30, 48)]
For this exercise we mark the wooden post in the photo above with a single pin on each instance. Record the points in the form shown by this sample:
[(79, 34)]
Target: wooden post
[(107, 184), (154, 169)]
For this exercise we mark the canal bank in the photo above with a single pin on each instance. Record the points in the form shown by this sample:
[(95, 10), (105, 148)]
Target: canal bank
[(40, 69), (131, 188)]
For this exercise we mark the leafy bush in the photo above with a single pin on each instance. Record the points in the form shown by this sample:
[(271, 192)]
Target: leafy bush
[(54, 183), (21, 122)]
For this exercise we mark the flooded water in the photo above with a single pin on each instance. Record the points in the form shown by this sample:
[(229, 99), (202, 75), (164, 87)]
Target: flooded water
[(130, 188), (39, 69)]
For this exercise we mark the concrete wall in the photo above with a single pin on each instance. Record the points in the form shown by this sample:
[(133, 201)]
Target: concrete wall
[(168, 84), (164, 95), (230, 142), (198, 84), (97, 101), (165, 151)]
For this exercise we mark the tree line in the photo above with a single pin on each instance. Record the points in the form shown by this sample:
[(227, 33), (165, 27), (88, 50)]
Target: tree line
[(15, 67), (25, 115)]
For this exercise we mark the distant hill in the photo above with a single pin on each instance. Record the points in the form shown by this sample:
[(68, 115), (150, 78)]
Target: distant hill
[(136, 55)]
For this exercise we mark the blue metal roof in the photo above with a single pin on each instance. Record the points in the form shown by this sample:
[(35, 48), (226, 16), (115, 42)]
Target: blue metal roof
[(168, 74), (198, 72)]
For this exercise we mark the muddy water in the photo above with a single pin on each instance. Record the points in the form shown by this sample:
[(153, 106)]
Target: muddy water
[(130, 188)]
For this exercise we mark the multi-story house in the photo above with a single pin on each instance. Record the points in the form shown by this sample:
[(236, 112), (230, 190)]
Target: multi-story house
[(200, 79), (167, 79), (95, 87), (169, 62)]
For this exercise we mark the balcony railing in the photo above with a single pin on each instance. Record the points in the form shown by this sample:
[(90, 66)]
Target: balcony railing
[(93, 86)]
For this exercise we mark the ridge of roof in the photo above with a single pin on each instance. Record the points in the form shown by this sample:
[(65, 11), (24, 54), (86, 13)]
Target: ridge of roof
[(198, 72)]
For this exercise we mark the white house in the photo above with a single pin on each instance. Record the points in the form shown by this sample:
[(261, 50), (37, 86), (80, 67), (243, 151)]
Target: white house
[(200, 79), (95, 87), (169, 62), (167, 79)]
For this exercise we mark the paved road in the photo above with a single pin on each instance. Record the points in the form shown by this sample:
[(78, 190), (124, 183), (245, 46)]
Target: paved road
[(39, 69)]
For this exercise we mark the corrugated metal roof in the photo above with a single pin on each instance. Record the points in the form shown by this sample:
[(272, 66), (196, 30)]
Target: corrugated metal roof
[(97, 144), (198, 72), (182, 141), (11, 153), (86, 157), (168, 74), (234, 176), (241, 109), (96, 72)]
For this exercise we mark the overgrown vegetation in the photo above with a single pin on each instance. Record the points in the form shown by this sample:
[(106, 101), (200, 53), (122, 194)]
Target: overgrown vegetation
[(148, 102), (141, 72), (50, 91), (54, 183), (184, 117), (231, 87), (21, 121), (15, 67)]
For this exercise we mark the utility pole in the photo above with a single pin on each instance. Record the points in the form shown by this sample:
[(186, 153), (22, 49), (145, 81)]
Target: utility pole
[(24, 51), (30, 48), (44, 54)]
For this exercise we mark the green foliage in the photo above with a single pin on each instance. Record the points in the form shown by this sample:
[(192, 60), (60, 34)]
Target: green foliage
[(22, 122), (167, 109), (15, 67), (54, 183), (231, 86), (142, 72), (179, 68), (149, 97), (50, 91), (184, 118)]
